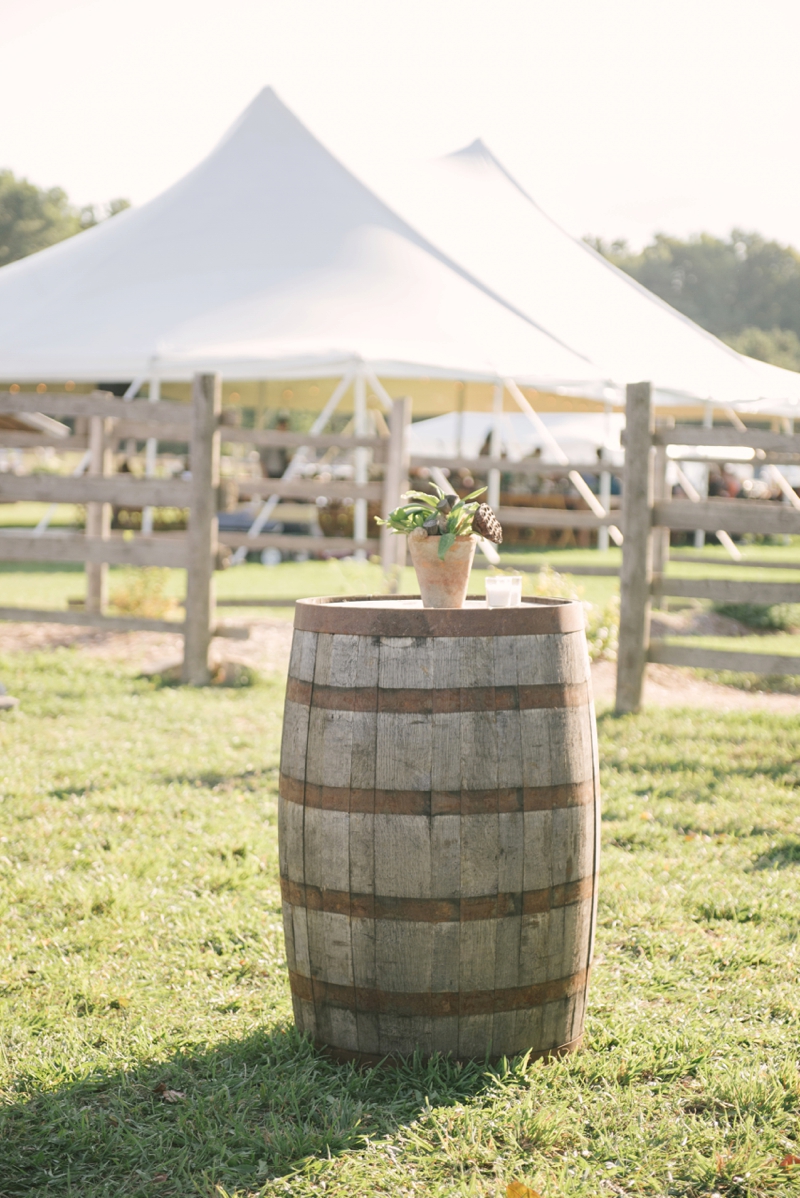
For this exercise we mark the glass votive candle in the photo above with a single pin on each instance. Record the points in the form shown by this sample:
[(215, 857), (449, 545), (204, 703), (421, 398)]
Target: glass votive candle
[(498, 591), (516, 590)]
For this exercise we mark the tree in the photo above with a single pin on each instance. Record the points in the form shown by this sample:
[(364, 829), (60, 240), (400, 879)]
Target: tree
[(31, 218), (781, 347), (727, 286)]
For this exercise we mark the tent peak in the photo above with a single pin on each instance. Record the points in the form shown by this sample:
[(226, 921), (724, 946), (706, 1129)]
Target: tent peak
[(477, 153)]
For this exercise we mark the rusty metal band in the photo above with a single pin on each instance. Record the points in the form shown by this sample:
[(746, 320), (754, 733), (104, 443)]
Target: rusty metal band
[(435, 1003), (435, 700), (502, 801), (341, 615), (437, 910), (372, 1060)]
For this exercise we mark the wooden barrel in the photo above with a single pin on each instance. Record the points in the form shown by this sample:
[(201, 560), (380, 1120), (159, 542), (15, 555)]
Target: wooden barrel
[(438, 825)]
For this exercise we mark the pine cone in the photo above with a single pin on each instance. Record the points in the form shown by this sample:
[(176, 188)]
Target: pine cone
[(487, 525)]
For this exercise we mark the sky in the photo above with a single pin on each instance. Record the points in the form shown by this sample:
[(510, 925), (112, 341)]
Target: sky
[(620, 117)]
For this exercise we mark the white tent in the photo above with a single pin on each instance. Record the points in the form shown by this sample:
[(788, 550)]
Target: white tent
[(473, 210), (269, 259), (464, 434)]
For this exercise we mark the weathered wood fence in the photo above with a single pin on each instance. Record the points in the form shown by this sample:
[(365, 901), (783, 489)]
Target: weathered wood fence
[(201, 425), (648, 513)]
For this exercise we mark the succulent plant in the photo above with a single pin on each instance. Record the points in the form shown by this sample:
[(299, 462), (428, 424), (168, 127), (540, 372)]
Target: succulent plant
[(439, 515)]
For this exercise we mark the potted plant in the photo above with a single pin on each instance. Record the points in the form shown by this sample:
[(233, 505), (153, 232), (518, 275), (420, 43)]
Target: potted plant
[(442, 533)]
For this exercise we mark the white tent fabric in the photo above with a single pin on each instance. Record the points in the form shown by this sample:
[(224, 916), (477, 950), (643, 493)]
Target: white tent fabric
[(269, 259), (464, 434), (473, 210)]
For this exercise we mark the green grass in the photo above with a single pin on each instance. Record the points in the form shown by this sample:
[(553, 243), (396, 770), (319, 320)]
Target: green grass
[(141, 959), (779, 642), (28, 515)]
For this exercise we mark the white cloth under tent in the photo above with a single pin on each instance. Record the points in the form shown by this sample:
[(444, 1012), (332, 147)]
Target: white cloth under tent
[(268, 260), (469, 205), (464, 434)]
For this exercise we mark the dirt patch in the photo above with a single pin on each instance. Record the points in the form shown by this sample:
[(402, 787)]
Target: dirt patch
[(697, 622), (270, 641), (668, 686), (267, 649)]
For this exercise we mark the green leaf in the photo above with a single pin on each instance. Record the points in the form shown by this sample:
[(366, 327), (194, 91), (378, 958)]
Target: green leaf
[(445, 541), (479, 491), (429, 500)]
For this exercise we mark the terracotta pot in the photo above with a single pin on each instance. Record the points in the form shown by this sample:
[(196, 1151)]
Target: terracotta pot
[(442, 583)]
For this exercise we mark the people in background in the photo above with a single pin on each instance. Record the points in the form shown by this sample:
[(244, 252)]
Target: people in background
[(275, 458)]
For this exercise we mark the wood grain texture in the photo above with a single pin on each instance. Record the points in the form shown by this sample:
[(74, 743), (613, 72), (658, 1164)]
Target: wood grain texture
[(729, 591), (723, 659), (438, 864), (637, 551), (734, 515)]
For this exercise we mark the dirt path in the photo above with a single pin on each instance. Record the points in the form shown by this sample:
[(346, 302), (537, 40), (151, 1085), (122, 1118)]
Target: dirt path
[(270, 641), (667, 686)]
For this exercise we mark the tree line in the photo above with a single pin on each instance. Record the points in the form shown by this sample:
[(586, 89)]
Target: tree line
[(32, 218), (743, 288)]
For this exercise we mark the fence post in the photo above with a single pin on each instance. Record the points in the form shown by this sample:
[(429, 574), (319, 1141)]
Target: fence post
[(98, 515), (202, 536), (636, 575), (395, 482)]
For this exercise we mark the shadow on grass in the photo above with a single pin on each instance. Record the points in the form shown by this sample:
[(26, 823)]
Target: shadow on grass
[(671, 762), (779, 856), (250, 779), (233, 1116)]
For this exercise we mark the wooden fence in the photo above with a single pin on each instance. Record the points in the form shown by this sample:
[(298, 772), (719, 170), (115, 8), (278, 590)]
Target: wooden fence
[(201, 425), (648, 513)]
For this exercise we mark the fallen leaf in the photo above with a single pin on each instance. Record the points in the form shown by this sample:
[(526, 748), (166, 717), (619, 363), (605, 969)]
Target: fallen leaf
[(161, 1177), (518, 1189), (790, 1160), (167, 1094)]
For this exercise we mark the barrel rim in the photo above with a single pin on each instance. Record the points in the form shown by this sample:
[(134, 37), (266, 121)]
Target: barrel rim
[(347, 615)]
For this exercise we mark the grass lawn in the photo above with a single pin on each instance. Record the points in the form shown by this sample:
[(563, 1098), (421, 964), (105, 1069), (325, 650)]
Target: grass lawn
[(147, 1043)]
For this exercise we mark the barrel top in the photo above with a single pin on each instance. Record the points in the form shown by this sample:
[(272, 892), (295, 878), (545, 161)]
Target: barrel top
[(404, 615)]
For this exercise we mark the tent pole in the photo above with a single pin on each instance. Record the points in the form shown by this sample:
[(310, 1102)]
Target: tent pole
[(298, 460), (379, 389), (579, 483), (360, 458), (493, 496), (151, 450)]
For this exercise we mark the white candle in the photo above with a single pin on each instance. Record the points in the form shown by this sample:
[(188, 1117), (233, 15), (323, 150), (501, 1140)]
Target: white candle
[(498, 591), (516, 590)]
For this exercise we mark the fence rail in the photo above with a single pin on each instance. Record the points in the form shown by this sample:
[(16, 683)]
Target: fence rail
[(526, 466), (306, 488), (720, 590), (723, 659), (747, 438), (734, 515), (555, 517), (99, 403), (119, 489), (164, 550), (278, 439)]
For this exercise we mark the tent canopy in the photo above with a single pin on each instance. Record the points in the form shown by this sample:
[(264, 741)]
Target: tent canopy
[(269, 259), (470, 207)]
